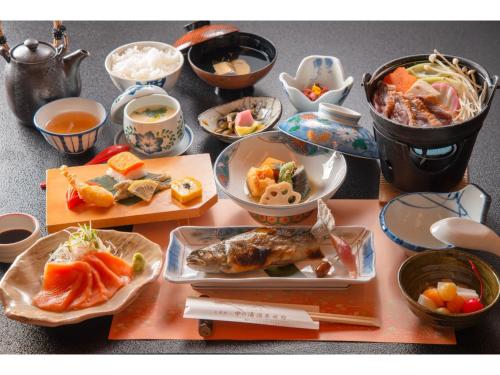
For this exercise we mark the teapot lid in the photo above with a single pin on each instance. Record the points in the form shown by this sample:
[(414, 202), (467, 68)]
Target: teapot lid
[(201, 31), (32, 51)]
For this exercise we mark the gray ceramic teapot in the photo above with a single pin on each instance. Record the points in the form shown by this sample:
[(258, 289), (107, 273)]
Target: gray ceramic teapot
[(38, 72)]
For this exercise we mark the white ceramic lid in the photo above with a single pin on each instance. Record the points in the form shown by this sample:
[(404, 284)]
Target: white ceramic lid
[(133, 92)]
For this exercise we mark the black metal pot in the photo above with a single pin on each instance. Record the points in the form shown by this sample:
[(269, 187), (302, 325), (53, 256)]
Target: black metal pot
[(425, 159)]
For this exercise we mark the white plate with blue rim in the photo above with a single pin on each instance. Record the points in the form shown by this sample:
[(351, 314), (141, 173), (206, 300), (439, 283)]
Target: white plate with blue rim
[(184, 240), (180, 148), (407, 219)]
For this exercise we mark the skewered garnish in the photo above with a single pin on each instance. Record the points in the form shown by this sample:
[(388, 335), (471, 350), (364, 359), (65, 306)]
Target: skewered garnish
[(315, 91), (186, 189), (91, 194)]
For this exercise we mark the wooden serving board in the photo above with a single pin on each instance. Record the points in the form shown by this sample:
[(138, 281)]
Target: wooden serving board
[(387, 191), (161, 207)]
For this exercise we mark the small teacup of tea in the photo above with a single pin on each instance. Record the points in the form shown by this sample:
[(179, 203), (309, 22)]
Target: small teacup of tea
[(153, 124), (71, 125), (18, 231)]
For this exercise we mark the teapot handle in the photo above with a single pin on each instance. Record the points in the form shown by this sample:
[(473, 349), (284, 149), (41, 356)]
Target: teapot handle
[(3, 39), (60, 38)]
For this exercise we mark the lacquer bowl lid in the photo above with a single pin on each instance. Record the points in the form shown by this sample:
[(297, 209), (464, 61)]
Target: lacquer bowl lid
[(333, 127), (201, 31)]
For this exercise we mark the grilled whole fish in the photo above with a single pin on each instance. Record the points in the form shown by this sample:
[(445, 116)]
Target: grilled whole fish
[(256, 250)]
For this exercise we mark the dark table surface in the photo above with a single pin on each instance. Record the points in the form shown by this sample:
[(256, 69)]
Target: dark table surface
[(361, 46)]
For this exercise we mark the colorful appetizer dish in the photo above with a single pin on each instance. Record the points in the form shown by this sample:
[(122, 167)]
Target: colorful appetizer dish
[(78, 274), (319, 79), (235, 256), (234, 120), (144, 63), (71, 125), (232, 61), (127, 190), (321, 170), (427, 112), (397, 218), (449, 288)]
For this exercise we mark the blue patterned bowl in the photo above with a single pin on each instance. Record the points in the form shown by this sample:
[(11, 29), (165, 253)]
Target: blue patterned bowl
[(325, 70), (334, 128), (75, 143), (407, 219), (325, 169)]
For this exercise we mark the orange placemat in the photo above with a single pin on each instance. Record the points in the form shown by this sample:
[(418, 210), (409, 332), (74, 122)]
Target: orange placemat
[(157, 312)]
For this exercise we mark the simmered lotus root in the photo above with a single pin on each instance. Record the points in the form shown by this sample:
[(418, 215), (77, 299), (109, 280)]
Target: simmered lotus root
[(280, 194)]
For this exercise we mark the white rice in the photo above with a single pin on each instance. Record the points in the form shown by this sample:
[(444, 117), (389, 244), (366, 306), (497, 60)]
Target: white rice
[(132, 175), (144, 63)]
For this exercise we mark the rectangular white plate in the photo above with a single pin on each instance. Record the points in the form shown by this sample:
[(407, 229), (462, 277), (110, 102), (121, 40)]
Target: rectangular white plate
[(183, 240)]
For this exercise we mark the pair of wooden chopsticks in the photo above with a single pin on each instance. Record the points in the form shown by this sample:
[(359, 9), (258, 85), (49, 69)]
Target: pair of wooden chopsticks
[(358, 320)]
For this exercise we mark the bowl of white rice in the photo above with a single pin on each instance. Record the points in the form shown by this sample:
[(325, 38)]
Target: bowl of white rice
[(144, 63)]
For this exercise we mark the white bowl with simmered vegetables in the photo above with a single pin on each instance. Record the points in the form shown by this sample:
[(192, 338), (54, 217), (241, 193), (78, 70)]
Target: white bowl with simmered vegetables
[(276, 178)]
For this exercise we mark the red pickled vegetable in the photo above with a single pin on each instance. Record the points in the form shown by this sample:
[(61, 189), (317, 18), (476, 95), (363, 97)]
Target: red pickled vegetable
[(472, 305), (101, 157), (345, 254)]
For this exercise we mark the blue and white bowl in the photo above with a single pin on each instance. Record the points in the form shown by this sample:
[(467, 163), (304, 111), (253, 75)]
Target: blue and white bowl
[(407, 219), (326, 171), (325, 70), (75, 143), (166, 82)]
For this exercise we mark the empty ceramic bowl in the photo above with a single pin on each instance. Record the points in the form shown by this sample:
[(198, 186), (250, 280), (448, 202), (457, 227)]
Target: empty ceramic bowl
[(427, 268), (407, 219), (70, 143), (325, 70), (18, 231), (165, 81), (325, 170), (266, 110), (258, 52)]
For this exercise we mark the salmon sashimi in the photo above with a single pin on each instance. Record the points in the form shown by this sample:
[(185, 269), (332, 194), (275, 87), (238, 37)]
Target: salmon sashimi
[(62, 283), (111, 281), (115, 264), (89, 281)]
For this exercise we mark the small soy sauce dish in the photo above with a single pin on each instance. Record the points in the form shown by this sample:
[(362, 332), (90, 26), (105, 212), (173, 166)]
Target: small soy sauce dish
[(18, 231)]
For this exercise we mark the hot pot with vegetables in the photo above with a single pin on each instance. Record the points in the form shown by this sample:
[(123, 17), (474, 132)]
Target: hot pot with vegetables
[(427, 112)]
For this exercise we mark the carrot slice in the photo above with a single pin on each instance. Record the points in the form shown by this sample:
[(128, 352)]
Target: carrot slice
[(401, 79)]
